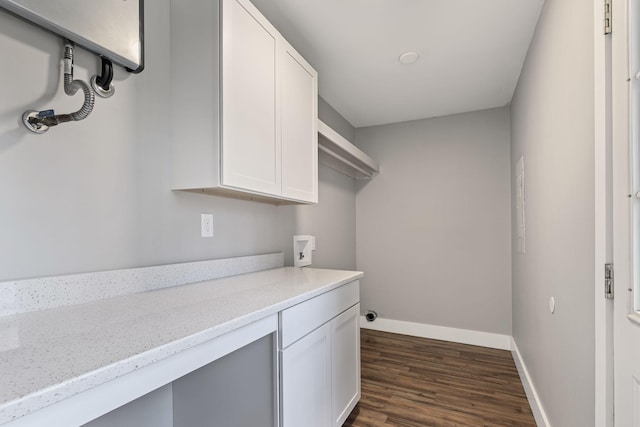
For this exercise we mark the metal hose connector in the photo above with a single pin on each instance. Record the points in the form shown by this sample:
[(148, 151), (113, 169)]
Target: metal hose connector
[(71, 86), (41, 121)]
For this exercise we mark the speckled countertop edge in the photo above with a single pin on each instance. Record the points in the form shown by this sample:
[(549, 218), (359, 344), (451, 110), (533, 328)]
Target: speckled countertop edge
[(43, 293), (278, 294)]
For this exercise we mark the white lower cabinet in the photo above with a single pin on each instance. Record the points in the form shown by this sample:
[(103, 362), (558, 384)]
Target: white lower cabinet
[(306, 380), (345, 364), (320, 370)]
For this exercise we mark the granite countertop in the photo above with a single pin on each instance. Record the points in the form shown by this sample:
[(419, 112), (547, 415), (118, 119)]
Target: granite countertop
[(47, 356)]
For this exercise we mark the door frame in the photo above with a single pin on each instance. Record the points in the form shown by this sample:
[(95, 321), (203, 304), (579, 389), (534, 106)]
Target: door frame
[(603, 209)]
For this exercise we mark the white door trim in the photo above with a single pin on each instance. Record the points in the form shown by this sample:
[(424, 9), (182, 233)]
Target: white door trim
[(602, 218)]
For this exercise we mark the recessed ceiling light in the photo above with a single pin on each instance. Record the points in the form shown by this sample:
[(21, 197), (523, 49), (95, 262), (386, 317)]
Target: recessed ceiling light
[(409, 57)]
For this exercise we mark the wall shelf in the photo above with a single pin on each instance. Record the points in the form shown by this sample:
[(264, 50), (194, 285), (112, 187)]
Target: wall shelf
[(341, 155)]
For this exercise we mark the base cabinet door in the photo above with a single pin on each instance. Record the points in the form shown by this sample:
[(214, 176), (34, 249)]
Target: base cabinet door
[(345, 364), (306, 381)]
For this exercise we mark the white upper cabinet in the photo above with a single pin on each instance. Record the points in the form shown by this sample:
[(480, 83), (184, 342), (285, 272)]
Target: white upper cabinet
[(299, 89), (251, 150), (244, 105)]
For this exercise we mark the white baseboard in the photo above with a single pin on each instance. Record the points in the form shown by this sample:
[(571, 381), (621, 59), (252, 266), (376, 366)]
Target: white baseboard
[(463, 336), (532, 395)]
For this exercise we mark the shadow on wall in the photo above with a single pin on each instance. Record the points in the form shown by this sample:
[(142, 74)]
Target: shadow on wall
[(12, 137), (361, 184)]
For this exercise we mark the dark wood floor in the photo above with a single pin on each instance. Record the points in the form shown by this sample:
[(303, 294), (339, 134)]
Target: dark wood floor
[(417, 382)]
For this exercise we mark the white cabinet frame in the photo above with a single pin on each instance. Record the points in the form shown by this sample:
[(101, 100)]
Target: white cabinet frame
[(243, 106), (320, 359)]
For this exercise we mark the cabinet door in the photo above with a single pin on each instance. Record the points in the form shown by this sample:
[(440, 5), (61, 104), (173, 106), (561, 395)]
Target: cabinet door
[(345, 360), (306, 381), (250, 146), (299, 88)]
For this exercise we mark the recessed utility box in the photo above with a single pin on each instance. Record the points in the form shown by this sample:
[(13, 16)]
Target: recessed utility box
[(302, 247)]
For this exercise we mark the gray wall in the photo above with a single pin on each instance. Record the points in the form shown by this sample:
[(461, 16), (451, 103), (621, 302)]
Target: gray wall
[(94, 195), (333, 220), (552, 127), (335, 120), (433, 229)]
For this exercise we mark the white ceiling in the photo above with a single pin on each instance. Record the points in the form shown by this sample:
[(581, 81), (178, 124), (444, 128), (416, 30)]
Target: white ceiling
[(471, 53)]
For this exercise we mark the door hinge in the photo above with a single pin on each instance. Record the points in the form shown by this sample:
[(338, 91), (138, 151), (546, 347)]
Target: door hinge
[(608, 281), (607, 17)]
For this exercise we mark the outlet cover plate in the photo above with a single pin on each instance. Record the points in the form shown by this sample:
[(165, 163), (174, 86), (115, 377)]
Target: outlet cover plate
[(206, 225)]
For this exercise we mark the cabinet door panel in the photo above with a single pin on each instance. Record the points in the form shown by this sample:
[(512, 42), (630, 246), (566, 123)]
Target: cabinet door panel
[(306, 381), (251, 153), (345, 342), (299, 128)]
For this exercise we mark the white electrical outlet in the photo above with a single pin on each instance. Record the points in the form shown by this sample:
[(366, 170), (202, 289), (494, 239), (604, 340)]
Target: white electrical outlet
[(206, 224)]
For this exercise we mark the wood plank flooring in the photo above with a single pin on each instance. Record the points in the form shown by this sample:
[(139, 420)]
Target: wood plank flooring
[(418, 382)]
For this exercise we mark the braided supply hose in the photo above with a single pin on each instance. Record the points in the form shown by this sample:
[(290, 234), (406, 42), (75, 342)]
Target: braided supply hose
[(40, 121)]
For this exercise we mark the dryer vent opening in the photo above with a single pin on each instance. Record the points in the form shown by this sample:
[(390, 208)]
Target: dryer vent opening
[(371, 315)]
